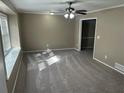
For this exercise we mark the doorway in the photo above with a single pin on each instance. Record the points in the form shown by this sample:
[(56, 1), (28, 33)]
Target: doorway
[(88, 27)]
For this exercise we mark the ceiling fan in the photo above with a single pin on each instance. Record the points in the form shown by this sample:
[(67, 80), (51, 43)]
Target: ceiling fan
[(70, 11)]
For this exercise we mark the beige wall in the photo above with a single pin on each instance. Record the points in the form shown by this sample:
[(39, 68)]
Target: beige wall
[(39, 30), (110, 28)]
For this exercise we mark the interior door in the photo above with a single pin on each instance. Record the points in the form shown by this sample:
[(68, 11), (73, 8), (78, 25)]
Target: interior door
[(88, 34)]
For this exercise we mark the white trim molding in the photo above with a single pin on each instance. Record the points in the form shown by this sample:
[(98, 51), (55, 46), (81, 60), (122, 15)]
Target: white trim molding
[(107, 8), (92, 11), (42, 13), (108, 65), (80, 32), (3, 15), (77, 49)]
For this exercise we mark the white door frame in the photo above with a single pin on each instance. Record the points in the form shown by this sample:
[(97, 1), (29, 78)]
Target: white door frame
[(80, 33)]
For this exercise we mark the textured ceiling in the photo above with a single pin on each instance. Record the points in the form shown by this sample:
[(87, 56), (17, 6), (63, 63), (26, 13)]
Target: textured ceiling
[(44, 6)]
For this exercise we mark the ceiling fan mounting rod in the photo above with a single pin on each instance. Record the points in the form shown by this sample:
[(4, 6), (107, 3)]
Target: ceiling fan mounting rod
[(70, 3), (70, 9)]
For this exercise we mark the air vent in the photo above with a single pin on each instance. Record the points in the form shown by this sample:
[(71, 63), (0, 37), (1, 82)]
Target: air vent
[(119, 67)]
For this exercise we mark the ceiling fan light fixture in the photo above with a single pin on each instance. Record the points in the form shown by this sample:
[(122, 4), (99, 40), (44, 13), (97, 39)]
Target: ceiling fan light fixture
[(66, 16), (70, 12), (71, 16)]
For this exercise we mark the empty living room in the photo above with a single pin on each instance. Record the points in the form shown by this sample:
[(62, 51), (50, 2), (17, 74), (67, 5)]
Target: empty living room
[(61, 46)]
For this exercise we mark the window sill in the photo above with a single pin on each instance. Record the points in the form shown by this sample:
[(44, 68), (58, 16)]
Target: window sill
[(10, 60)]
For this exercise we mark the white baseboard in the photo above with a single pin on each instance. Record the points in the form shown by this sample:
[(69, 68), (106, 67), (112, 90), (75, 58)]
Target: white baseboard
[(31, 51), (108, 65), (64, 49), (76, 49), (51, 49)]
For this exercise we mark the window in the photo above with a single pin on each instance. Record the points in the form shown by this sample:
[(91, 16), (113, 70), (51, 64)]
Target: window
[(11, 52), (5, 34)]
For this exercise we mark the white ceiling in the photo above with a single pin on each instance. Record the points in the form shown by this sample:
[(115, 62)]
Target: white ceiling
[(45, 6)]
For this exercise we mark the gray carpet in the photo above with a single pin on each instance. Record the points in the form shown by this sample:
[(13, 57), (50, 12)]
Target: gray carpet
[(70, 72)]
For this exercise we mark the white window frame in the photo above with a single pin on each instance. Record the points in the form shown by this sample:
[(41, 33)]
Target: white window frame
[(5, 16)]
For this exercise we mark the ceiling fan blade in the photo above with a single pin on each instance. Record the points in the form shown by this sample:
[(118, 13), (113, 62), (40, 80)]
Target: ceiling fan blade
[(81, 13)]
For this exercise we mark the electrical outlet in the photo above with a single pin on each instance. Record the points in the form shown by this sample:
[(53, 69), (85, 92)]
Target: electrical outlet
[(106, 56)]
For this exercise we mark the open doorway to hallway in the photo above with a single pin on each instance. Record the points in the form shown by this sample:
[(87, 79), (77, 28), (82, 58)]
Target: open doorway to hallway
[(88, 27)]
